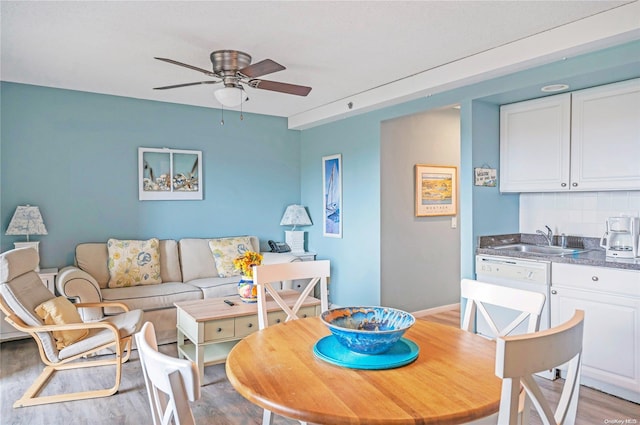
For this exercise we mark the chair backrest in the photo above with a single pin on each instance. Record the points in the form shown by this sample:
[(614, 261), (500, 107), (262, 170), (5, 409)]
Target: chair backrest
[(22, 291), (171, 382), (519, 357), (264, 276), (479, 294)]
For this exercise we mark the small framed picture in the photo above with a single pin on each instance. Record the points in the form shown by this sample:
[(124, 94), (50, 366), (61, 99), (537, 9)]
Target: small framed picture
[(436, 190), (485, 177)]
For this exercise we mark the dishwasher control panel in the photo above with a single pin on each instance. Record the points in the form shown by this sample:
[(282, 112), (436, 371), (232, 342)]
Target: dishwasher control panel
[(510, 269)]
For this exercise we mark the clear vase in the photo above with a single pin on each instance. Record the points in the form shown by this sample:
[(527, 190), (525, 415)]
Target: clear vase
[(247, 290)]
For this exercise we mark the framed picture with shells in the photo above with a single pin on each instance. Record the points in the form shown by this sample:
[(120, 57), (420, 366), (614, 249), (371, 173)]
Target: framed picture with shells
[(169, 174)]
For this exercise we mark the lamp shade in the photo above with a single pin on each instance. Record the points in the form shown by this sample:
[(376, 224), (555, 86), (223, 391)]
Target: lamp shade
[(27, 220), (295, 215), (230, 96)]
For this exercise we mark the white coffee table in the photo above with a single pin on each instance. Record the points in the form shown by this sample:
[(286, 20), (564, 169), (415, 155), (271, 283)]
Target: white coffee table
[(209, 328)]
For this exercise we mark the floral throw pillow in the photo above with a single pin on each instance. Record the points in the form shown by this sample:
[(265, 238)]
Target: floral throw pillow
[(133, 263), (225, 250)]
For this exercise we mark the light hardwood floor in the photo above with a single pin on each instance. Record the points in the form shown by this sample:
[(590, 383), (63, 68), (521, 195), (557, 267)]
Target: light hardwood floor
[(219, 405)]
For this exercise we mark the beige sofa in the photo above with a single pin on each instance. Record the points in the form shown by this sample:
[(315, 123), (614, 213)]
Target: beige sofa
[(187, 269)]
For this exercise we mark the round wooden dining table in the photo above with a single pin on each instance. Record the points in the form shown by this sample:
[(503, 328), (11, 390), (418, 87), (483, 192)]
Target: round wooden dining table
[(452, 381)]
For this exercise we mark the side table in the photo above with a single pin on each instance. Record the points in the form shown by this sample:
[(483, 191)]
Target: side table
[(304, 256), (8, 332)]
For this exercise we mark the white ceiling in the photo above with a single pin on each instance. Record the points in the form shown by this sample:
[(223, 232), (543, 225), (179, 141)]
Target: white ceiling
[(371, 52)]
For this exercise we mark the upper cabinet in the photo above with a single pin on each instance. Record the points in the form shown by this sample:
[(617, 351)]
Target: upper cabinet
[(605, 137), (534, 145), (584, 140)]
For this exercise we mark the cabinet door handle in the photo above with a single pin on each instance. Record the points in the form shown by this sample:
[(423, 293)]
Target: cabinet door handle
[(554, 292), (595, 278), (574, 184), (563, 184), (219, 330), (250, 325)]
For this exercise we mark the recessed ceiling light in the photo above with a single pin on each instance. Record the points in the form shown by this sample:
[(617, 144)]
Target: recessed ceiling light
[(554, 87)]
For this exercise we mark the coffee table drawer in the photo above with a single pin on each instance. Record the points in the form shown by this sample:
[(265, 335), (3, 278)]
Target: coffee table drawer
[(218, 329), (280, 316), (246, 325)]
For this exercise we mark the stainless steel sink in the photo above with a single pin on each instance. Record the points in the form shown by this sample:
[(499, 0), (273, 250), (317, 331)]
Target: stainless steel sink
[(539, 249)]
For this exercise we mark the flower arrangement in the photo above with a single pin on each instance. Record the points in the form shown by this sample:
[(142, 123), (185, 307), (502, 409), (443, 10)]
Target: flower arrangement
[(245, 262)]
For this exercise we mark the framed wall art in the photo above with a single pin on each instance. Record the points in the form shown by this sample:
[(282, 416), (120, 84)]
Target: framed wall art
[(332, 196), (169, 174), (436, 190)]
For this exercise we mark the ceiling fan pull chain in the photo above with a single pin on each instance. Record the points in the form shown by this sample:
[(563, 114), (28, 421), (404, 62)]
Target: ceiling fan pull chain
[(222, 114), (241, 102)]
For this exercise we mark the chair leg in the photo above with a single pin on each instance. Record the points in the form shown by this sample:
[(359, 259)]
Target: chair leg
[(30, 397), (267, 417)]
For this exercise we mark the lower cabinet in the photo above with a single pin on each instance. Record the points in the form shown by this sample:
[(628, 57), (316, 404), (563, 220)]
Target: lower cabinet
[(610, 299)]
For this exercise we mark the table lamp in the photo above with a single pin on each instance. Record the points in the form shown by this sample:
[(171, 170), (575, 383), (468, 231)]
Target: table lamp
[(295, 215), (27, 220)]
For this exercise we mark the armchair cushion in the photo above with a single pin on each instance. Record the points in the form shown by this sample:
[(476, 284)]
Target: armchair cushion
[(225, 250), (23, 294), (133, 262), (16, 262), (60, 311), (127, 323)]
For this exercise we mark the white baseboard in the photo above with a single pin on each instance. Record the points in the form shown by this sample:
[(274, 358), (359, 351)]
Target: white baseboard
[(435, 310)]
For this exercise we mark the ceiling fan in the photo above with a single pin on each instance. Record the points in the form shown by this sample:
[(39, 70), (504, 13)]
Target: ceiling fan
[(234, 69)]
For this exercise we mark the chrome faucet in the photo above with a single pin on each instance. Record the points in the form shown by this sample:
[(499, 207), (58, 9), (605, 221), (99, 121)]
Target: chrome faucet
[(548, 235)]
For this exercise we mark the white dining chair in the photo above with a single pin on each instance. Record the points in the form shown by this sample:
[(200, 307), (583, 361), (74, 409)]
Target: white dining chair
[(171, 382), (479, 295), (266, 276), (519, 357)]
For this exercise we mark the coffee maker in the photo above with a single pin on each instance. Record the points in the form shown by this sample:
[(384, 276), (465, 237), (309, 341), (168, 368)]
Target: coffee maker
[(621, 238)]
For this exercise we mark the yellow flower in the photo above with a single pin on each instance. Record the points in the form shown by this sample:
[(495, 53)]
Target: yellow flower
[(245, 262)]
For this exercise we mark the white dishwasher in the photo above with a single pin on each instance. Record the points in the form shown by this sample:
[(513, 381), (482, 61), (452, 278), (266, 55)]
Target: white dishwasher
[(529, 275)]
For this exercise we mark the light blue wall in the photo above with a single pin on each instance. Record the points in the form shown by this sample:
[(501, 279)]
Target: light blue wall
[(355, 271), (487, 201), (74, 155)]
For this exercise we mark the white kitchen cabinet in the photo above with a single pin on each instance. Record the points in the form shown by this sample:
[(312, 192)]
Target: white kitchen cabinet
[(605, 137), (534, 144), (610, 299), (580, 141)]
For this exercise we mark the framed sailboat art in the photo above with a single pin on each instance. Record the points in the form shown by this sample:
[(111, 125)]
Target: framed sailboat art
[(332, 196)]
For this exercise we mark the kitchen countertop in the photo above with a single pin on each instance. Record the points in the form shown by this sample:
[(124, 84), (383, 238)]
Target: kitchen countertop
[(595, 256)]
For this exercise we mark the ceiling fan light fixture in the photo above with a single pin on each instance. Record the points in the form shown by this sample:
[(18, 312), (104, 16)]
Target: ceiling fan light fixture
[(230, 96)]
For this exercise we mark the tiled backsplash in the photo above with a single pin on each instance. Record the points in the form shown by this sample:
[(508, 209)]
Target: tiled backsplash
[(577, 214)]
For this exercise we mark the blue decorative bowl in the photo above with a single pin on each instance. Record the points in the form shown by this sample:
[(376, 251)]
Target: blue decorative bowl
[(367, 330)]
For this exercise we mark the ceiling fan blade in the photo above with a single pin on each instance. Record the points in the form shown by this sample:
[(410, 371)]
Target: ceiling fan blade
[(261, 68), (280, 87), (186, 84), (195, 68)]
